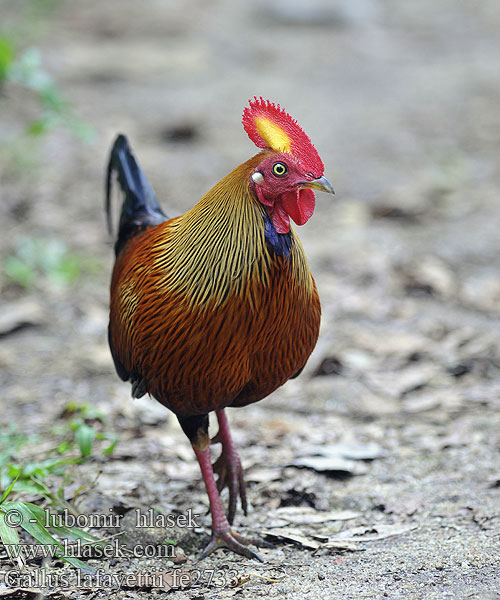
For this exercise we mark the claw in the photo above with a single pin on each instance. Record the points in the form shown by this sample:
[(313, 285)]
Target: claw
[(220, 469), (228, 468), (216, 439), (233, 541)]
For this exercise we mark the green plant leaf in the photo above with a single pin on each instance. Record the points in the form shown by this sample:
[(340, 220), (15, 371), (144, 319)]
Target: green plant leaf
[(51, 98), (67, 270), (8, 491), (19, 271), (113, 438), (85, 437), (41, 125), (6, 57), (30, 522), (64, 446), (8, 534), (72, 532), (33, 523), (9, 537)]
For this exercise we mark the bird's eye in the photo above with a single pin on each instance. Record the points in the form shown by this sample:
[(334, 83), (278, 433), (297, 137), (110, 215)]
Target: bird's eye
[(280, 169)]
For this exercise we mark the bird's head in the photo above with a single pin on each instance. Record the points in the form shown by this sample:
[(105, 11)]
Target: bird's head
[(290, 168)]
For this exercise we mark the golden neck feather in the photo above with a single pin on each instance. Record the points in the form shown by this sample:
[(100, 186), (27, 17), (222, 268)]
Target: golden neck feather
[(217, 247)]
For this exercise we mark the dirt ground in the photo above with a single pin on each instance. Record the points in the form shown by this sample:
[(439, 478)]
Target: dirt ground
[(375, 473)]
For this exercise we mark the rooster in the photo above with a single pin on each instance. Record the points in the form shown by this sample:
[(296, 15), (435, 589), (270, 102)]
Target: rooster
[(218, 307)]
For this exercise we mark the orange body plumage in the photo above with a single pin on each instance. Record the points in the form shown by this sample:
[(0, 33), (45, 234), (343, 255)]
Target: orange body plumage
[(202, 310), (218, 307)]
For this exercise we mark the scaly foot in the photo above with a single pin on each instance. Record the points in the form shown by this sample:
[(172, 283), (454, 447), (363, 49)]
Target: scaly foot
[(233, 541)]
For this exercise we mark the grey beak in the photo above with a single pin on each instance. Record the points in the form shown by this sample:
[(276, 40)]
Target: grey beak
[(322, 184)]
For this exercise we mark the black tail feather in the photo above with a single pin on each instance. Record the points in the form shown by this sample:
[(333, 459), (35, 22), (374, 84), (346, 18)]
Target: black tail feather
[(140, 209)]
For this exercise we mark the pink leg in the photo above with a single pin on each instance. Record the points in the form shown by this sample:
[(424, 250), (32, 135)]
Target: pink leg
[(228, 467), (222, 535)]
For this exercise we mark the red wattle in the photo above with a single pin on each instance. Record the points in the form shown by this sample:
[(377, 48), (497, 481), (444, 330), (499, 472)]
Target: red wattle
[(299, 205), (279, 218)]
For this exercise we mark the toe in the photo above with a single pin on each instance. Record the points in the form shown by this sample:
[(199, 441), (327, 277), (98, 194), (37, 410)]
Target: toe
[(233, 541)]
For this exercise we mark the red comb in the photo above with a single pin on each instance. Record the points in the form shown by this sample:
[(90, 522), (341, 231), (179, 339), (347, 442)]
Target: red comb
[(283, 128)]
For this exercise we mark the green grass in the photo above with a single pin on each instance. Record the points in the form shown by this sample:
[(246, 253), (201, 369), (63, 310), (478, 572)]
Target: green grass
[(22, 71), (41, 260), (32, 519), (80, 435)]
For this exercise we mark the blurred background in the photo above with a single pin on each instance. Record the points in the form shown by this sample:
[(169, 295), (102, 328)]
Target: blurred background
[(401, 99)]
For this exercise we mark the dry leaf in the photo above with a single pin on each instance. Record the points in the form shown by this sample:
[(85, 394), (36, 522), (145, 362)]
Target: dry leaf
[(397, 384), (349, 450), (19, 314), (339, 457), (340, 546), (292, 535), (330, 464), (371, 534), (17, 593), (263, 475), (303, 515)]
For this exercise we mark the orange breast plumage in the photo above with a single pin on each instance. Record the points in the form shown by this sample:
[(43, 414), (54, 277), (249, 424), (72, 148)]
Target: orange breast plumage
[(205, 312)]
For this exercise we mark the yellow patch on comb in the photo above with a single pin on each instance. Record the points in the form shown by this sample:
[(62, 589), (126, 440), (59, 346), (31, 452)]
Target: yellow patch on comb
[(273, 135)]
